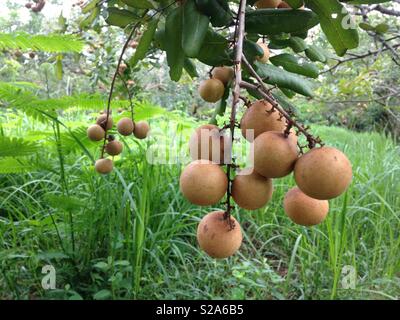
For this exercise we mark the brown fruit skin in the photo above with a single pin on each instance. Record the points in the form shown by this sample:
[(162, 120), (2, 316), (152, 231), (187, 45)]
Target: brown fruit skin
[(267, 53), (215, 236), (104, 166), (223, 74), (209, 135), (114, 148), (101, 121), (259, 118), (203, 183), (304, 210), (274, 154), (125, 126), (261, 4), (250, 190), (211, 90), (141, 129), (323, 173), (95, 132)]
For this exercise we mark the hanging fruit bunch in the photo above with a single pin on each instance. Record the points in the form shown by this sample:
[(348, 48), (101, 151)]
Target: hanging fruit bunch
[(111, 146), (238, 39)]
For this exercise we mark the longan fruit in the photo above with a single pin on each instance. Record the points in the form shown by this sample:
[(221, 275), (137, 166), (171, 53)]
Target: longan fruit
[(101, 121), (224, 74), (95, 132), (104, 166), (125, 126), (141, 129), (211, 90), (114, 148), (304, 210), (215, 236)]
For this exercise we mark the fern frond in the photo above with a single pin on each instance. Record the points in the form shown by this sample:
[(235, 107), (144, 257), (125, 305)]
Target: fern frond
[(54, 43), (14, 165), (16, 147)]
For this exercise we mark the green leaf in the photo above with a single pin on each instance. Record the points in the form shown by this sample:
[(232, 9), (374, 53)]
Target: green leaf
[(214, 51), (252, 50), (218, 11), (54, 43), (382, 28), (291, 63), (194, 30), (173, 43), (59, 67), (295, 4), (288, 93), (315, 53), (270, 21), (366, 26), (144, 43), (140, 4), (190, 68), (102, 295), (336, 23), (120, 17), (89, 6), (277, 76)]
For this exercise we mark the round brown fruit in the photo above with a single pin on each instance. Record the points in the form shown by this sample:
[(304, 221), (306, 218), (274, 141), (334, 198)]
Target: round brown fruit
[(260, 118), (304, 210), (250, 190), (95, 132), (101, 121), (323, 173), (274, 154), (211, 90), (203, 183), (122, 67), (125, 126), (141, 129), (103, 166), (267, 53), (224, 74), (215, 236), (261, 4), (114, 148), (207, 143)]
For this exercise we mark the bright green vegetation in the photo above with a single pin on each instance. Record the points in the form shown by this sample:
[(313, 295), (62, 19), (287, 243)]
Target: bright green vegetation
[(132, 235)]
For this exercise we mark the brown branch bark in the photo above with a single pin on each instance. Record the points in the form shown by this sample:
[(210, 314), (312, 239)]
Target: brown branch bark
[(239, 36)]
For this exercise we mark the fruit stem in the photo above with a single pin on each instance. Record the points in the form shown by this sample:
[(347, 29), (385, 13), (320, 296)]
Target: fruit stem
[(137, 24), (237, 68), (266, 94)]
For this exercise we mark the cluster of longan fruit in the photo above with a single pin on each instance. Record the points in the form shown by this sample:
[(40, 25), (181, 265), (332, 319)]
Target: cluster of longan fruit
[(321, 174), (113, 147)]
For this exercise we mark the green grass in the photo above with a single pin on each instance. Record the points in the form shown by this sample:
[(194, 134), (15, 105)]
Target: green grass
[(132, 235)]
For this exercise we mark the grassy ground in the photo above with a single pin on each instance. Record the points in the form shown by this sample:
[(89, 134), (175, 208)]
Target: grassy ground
[(132, 235)]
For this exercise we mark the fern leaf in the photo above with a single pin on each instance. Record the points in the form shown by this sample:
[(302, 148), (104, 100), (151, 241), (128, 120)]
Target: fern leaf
[(54, 43), (10, 165), (16, 147)]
